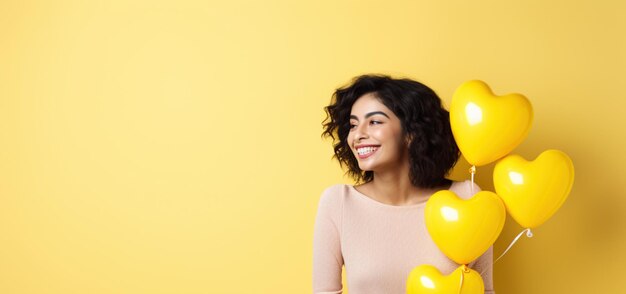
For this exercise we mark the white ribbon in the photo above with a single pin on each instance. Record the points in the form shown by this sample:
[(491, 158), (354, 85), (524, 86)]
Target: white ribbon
[(472, 171), (462, 275), (529, 234)]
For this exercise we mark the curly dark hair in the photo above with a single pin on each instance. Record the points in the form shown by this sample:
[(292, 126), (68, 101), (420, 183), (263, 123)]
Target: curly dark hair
[(432, 151)]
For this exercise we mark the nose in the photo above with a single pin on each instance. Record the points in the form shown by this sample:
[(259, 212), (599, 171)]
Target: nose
[(361, 132)]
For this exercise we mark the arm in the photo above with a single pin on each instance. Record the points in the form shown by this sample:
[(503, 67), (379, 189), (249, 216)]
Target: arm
[(327, 257), (484, 266)]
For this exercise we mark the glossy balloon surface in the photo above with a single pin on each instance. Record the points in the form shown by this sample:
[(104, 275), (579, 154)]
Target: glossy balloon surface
[(534, 190), (487, 127), (464, 229), (426, 279)]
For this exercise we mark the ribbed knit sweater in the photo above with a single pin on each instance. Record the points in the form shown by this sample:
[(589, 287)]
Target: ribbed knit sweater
[(378, 243)]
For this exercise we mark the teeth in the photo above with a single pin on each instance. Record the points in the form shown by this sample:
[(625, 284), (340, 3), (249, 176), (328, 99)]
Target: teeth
[(366, 150)]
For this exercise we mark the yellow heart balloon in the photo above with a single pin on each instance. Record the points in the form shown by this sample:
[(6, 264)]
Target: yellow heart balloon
[(464, 229), (487, 127), (533, 191), (426, 279)]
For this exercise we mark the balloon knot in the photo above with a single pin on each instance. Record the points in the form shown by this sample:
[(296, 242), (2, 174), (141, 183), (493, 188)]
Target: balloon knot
[(472, 170), (466, 269)]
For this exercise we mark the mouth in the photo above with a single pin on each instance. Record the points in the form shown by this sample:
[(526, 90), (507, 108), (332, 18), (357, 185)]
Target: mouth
[(366, 151)]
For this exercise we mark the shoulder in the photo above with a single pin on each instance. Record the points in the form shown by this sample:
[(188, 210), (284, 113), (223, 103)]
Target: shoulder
[(333, 195), (331, 201), (335, 189), (465, 189)]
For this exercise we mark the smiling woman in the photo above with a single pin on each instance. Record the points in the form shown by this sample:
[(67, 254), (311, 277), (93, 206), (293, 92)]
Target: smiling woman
[(394, 137)]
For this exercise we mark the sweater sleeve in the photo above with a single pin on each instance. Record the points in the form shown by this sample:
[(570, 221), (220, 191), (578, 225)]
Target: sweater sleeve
[(327, 257), (484, 266)]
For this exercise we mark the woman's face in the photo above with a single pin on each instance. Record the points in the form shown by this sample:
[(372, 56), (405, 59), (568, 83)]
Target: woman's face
[(375, 136)]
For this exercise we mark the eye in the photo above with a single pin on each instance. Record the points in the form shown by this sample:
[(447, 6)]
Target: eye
[(376, 122), (352, 126)]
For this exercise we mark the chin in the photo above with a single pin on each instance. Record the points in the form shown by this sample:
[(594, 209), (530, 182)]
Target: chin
[(366, 168)]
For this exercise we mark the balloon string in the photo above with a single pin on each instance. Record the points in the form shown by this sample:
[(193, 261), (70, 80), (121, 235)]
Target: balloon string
[(465, 270), (529, 234), (472, 171)]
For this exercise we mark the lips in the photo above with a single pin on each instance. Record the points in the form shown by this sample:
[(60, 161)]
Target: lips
[(365, 151)]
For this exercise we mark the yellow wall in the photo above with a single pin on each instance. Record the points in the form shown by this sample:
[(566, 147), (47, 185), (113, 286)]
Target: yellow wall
[(174, 146)]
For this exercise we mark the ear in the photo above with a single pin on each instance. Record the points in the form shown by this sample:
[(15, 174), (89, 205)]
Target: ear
[(408, 139)]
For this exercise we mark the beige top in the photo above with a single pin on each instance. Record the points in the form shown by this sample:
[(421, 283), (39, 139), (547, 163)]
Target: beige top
[(378, 243)]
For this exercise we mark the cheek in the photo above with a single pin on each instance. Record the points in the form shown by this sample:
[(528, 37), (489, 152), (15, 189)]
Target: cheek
[(383, 135), (393, 138)]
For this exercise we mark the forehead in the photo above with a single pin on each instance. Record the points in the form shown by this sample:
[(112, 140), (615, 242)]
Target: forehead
[(368, 103)]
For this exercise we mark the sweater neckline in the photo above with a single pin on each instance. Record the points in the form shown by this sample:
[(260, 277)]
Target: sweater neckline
[(412, 206)]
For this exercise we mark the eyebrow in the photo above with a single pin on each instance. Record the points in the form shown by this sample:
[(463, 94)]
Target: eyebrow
[(352, 116)]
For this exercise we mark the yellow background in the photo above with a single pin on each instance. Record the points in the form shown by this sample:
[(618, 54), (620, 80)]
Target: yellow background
[(174, 146)]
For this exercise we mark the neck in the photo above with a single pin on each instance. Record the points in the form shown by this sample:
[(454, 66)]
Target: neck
[(394, 187)]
